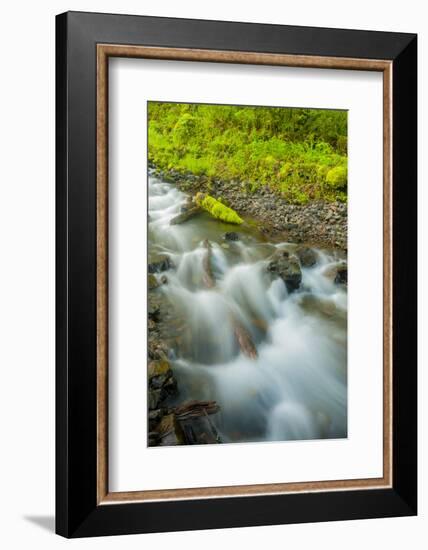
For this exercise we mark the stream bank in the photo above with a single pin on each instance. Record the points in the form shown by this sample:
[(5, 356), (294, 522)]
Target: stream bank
[(319, 224)]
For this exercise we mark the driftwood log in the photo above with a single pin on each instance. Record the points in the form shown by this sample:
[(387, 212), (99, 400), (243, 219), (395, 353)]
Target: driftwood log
[(244, 339), (193, 418), (186, 215), (195, 409)]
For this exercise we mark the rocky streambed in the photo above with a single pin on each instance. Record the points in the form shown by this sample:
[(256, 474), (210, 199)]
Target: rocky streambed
[(318, 223), (246, 324)]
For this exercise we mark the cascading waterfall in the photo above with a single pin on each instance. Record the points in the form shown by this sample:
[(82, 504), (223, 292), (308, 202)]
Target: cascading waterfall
[(296, 387)]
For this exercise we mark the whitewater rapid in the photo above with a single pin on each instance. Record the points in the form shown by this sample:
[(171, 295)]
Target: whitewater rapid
[(297, 386)]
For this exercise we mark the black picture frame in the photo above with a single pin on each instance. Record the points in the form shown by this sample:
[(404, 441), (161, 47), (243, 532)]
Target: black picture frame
[(77, 511)]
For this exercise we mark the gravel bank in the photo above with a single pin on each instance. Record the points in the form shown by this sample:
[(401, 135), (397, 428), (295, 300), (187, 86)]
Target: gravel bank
[(316, 223)]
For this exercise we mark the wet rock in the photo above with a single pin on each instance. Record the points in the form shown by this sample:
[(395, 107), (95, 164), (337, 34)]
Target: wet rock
[(287, 267), (154, 398), (307, 256), (154, 312), (155, 416), (157, 350), (341, 276), (231, 236), (337, 273), (152, 282), (160, 263), (314, 304), (161, 376), (170, 432), (153, 439)]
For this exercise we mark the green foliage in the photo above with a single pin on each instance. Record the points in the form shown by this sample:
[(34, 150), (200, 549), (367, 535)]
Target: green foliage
[(337, 177), (217, 209), (299, 153)]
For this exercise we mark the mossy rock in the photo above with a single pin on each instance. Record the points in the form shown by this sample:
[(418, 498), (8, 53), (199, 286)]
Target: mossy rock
[(158, 368), (217, 209), (153, 283)]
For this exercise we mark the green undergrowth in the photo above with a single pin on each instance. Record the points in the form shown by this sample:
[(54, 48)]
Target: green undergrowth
[(299, 153), (217, 209)]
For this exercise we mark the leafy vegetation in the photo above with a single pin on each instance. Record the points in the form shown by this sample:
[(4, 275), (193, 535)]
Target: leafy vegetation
[(299, 153), (217, 209)]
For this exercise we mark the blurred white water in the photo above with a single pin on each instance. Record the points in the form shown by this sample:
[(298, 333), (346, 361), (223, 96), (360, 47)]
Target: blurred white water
[(297, 386)]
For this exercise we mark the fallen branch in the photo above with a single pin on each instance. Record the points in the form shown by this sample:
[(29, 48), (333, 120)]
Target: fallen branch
[(207, 275), (186, 215), (195, 409), (244, 339)]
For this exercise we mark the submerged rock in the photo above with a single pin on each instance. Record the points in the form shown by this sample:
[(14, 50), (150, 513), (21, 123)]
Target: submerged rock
[(161, 262), (231, 236), (287, 267)]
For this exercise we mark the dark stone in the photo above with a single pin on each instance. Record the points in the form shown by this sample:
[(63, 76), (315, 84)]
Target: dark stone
[(155, 416), (287, 268), (161, 263), (307, 256), (341, 276), (153, 439), (154, 398), (154, 312), (337, 273), (231, 236)]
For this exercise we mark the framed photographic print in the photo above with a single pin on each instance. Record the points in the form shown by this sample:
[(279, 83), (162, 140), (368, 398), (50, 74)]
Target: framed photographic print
[(236, 274)]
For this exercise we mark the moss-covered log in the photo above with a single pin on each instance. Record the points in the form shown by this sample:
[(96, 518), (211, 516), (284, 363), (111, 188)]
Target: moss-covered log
[(217, 209)]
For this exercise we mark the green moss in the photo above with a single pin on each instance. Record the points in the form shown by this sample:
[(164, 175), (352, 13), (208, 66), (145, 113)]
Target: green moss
[(337, 177), (299, 153), (158, 368), (217, 209)]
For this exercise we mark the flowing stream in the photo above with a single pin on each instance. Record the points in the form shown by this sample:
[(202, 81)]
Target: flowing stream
[(296, 388)]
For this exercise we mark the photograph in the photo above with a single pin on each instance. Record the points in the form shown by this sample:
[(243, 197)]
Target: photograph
[(247, 244)]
